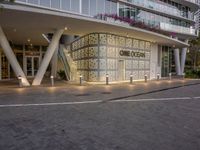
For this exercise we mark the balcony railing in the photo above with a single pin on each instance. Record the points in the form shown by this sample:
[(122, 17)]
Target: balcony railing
[(177, 29), (154, 26), (194, 1), (161, 7)]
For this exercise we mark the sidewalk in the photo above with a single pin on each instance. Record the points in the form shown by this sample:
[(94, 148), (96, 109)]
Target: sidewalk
[(63, 92)]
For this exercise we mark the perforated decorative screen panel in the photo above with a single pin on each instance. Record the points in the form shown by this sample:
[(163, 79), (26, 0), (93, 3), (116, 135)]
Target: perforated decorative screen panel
[(99, 54)]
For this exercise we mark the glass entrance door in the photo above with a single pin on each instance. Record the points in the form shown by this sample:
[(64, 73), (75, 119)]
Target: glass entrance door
[(32, 65)]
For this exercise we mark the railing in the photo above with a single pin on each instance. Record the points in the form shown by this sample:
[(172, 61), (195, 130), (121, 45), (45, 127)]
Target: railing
[(194, 1), (177, 29), (160, 6), (154, 26)]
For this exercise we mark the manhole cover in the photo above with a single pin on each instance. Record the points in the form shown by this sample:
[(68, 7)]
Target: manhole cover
[(83, 94)]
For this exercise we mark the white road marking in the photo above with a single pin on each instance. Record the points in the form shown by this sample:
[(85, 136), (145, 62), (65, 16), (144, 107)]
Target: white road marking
[(51, 104), (158, 99), (98, 101), (196, 97)]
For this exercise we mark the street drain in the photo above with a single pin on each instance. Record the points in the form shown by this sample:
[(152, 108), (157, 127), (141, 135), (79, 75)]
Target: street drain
[(83, 94), (106, 93)]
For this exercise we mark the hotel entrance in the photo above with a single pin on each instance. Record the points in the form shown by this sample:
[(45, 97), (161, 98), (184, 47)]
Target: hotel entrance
[(121, 70), (32, 65)]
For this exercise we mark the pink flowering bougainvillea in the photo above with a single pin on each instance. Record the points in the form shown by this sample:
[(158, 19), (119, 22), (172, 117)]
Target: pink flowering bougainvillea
[(135, 23)]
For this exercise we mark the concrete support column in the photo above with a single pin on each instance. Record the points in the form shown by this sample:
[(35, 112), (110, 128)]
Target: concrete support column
[(183, 59), (48, 56), (12, 58), (177, 61), (54, 63), (0, 66)]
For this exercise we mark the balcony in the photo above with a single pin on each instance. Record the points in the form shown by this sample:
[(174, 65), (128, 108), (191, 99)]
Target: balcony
[(177, 29), (154, 26), (193, 1), (160, 7)]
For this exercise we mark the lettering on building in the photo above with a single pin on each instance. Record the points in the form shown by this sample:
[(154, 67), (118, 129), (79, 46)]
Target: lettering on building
[(129, 53)]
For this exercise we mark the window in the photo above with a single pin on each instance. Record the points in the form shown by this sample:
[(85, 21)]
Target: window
[(85, 7), (93, 7), (45, 3), (55, 4), (101, 6), (75, 6), (65, 5), (33, 1)]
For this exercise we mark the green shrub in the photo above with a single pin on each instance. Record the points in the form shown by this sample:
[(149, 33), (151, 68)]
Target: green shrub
[(192, 74)]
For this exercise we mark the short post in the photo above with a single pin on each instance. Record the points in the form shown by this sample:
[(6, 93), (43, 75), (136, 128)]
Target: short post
[(81, 79), (107, 79), (20, 81), (131, 79), (158, 77), (170, 76), (145, 78), (52, 80), (183, 76)]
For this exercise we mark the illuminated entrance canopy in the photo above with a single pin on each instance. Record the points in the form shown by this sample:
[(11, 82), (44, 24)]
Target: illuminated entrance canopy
[(131, 53)]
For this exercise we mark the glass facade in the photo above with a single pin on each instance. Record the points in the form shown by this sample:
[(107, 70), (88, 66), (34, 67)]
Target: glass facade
[(126, 9), (168, 64), (165, 6)]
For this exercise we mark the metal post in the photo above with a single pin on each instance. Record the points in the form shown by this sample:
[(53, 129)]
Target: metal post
[(107, 79), (52, 80), (81, 79), (170, 76), (158, 77), (183, 76), (131, 79), (20, 81), (145, 78)]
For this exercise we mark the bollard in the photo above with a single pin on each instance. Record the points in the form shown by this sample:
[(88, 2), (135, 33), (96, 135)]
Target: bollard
[(81, 80), (107, 79), (158, 77), (145, 78), (52, 80), (20, 81), (131, 79), (183, 76), (170, 76)]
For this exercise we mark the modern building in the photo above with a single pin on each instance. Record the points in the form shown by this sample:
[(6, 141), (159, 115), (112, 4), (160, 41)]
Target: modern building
[(197, 19), (95, 38)]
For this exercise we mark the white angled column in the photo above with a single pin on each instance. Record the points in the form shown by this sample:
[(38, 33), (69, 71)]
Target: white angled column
[(183, 59), (177, 61), (48, 56), (12, 58), (54, 63)]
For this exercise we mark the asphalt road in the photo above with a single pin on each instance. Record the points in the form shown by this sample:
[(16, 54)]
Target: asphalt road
[(166, 120)]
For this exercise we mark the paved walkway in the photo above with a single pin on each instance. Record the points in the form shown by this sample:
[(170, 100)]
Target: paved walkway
[(63, 92)]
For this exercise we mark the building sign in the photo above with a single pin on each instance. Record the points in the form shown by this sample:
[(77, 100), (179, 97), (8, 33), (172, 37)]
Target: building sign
[(129, 53)]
